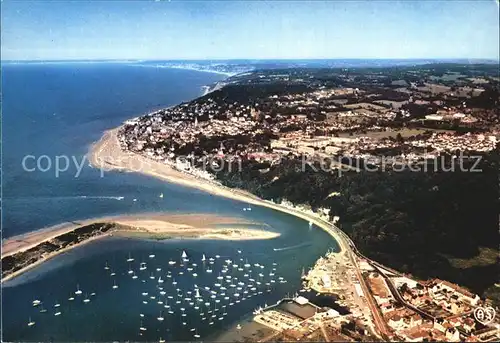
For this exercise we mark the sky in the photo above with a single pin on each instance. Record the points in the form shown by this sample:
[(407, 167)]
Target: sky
[(183, 29)]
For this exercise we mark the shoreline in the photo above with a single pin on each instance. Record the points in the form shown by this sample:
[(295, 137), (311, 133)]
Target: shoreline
[(49, 257), (107, 155), (141, 226)]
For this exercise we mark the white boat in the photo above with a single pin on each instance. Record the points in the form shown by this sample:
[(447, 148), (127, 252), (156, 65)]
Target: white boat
[(30, 322), (161, 195), (160, 280), (57, 305), (310, 224), (112, 274), (106, 267), (42, 310), (131, 271), (36, 302), (143, 266), (160, 318), (142, 328), (152, 256), (203, 258), (171, 262), (78, 291), (134, 276), (184, 255), (209, 270), (195, 275), (161, 340), (115, 286), (86, 300), (130, 258), (58, 313), (238, 327)]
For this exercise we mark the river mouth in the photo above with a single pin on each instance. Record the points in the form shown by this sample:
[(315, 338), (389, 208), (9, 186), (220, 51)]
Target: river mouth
[(84, 268), (83, 102)]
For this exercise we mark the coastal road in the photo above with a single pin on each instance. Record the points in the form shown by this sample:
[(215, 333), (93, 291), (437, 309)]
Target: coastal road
[(399, 297), (348, 247), (380, 323), (323, 331)]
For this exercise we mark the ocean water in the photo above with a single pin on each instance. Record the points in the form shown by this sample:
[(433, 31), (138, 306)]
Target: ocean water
[(59, 110)]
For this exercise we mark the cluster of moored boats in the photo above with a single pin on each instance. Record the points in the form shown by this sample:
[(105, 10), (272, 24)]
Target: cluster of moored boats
[(77, 296), (179, 288)]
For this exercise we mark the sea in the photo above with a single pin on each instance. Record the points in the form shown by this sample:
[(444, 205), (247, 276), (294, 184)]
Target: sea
[(51, 114)]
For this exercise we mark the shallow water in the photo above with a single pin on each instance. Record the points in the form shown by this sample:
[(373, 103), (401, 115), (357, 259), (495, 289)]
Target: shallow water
[(69, 108)]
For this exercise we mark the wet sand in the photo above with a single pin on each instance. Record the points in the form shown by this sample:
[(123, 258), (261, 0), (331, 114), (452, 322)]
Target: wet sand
[(176, 225), (199, 226)]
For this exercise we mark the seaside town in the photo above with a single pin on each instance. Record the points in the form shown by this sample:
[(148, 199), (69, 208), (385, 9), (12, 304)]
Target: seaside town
[(400, 116)]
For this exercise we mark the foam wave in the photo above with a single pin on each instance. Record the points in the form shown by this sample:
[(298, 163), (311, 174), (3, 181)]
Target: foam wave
[(73, 197), (292, 247)]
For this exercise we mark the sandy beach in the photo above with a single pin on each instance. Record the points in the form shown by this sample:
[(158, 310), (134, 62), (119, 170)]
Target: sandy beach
[(198, 226), (108, 155), (146, 226), (173, 225)]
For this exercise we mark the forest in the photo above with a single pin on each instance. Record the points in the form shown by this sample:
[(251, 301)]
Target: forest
[(415, 222)]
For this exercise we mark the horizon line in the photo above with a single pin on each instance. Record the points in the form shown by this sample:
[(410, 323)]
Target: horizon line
[(257, 59)]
